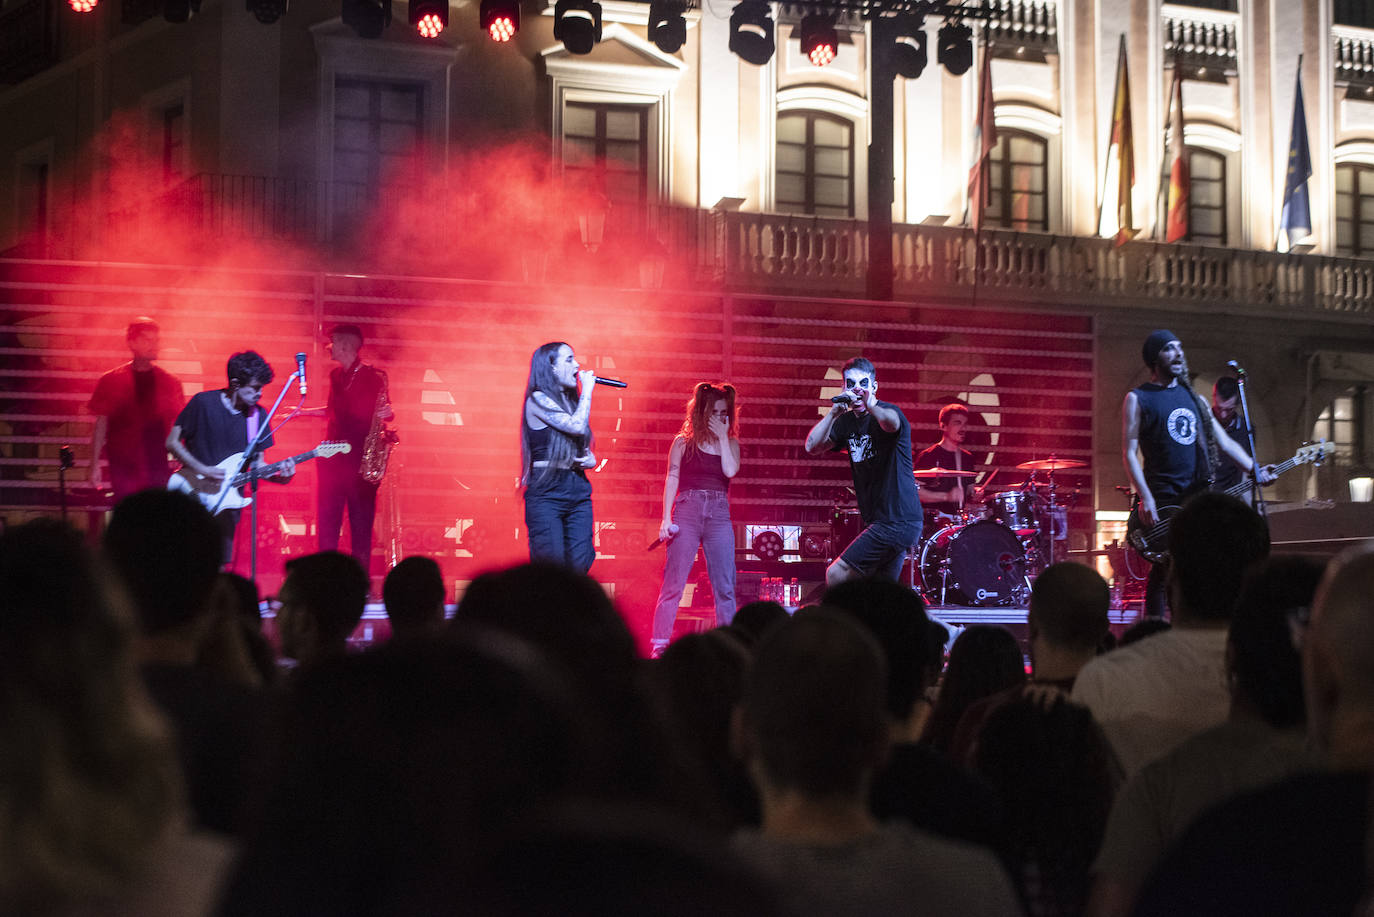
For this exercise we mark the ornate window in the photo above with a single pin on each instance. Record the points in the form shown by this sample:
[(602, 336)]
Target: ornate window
[(1355, 208), (606, 147), (1207, 197), (815, 164), (1018, 179)]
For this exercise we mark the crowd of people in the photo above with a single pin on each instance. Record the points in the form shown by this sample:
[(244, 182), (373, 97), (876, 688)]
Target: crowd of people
[(159, 755)]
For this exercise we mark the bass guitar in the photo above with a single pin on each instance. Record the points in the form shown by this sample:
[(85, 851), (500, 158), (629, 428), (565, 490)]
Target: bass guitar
[(1152, 542), (209, 491)]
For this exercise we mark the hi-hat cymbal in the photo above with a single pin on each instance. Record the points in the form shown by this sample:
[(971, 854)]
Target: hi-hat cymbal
[(1050, 464), (938, 472)]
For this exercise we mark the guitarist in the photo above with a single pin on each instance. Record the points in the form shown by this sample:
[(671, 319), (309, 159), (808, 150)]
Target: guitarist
[(221, 422), (1170, 444)]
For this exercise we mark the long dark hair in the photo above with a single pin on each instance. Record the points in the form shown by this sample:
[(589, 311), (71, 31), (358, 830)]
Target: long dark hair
[(696, 425), (563, 448)]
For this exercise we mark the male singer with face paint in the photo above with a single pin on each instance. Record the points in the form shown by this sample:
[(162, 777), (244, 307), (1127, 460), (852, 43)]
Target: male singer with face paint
[(877, 438)]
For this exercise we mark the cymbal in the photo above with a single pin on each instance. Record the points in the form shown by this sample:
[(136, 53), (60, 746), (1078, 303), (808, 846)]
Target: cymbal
[(1050, 464), (938, 472)]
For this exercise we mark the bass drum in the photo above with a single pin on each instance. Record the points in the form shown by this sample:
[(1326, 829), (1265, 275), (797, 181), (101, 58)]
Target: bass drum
[(981, 563)]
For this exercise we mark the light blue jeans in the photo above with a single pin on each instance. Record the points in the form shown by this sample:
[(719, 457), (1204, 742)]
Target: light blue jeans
[(703, 520)]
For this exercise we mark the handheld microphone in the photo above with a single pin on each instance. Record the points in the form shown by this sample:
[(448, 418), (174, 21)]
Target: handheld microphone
[(842, 398), (613, 383), (300, 368), (673, 529), (1235, 367)]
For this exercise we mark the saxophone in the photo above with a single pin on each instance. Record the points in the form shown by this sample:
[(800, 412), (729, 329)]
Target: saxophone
[(380, 440)]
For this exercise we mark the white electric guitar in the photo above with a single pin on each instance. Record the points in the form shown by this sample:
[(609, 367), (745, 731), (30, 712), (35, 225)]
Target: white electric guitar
[(209, 491)]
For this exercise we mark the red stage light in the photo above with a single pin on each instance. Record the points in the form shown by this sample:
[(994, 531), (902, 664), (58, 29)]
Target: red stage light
[(430, 25), (501, 29), (82, 6), (822, 55), (819, 39)]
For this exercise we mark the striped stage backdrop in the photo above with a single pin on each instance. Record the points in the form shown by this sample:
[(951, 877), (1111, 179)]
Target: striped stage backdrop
[(458, 354)]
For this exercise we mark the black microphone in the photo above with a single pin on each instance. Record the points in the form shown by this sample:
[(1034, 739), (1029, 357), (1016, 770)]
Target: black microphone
[(672, 533), (842, 398), (300, 368), (613, 383), (1235, 367)]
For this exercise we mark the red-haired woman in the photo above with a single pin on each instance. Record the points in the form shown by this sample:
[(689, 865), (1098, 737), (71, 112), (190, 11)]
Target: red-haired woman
[(696, 509)]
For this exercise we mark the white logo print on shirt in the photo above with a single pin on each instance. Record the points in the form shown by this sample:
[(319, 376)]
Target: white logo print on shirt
[(1183, 426), (860, 448)]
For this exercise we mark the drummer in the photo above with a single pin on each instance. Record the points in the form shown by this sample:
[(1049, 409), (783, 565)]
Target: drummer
[(945, 498)]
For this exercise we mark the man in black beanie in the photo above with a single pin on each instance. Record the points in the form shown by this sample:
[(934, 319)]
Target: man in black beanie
[(1170, 445)]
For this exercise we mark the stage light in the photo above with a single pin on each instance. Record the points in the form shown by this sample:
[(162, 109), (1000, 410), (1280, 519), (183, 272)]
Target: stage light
[(501, 19), (751, 32), (267, 11), (667, 25), (429, 17), (909, 57), (767, 545), (367, 17), (82, 6), (955, 48), (577, 23), (819, 41), (179, 11)]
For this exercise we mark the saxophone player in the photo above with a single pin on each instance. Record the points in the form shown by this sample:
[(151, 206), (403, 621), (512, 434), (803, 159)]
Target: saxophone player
[(358, 403)]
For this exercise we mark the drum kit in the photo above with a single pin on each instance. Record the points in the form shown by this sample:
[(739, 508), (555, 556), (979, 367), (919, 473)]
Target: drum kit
[(989, 554)]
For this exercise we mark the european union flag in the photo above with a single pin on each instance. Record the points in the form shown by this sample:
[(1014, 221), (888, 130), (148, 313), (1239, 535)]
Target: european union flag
[(1295, 222)]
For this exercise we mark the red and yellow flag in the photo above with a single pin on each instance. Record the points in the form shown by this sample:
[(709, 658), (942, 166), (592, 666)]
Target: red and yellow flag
[(1121, 156), (1179, 179)]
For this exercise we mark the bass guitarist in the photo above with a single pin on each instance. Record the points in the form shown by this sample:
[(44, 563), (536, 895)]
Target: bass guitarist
[(1171, 444), (221, 422)]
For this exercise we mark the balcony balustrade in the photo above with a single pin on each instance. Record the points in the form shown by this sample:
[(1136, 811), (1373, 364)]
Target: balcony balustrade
[(779, 253)]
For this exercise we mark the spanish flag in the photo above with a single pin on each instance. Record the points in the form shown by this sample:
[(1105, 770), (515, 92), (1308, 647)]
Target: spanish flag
[(1179, 178), (984, 140), (1119, 180)]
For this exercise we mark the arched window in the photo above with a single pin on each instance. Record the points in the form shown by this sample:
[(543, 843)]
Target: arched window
[(815, 164), (1017, 182), (1207, 197), (1355, 209)]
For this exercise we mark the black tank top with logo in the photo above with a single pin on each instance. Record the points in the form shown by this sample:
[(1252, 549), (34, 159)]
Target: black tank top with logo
[(1175, 460)]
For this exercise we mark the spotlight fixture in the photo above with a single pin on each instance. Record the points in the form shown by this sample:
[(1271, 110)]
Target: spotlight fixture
[(667, 25), (82, 6), (180, 11), (429, 17), (577, 23), (909, 57), (267, 11), (954, 50), (767, 545), (819, 41), (501, 19), (751, 31), (367, 17)]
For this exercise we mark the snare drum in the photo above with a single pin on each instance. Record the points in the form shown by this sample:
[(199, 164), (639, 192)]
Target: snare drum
[(1016, 510), (981, 563)]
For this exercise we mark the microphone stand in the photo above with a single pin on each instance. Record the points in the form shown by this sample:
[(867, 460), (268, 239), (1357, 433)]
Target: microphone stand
[(1255, 487), (250, 454)]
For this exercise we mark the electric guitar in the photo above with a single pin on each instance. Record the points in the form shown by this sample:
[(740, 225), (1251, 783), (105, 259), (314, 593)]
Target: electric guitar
[(1152, 542), (209, 491)]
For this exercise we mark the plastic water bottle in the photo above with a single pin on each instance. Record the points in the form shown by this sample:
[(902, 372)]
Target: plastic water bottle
[(793, 594)]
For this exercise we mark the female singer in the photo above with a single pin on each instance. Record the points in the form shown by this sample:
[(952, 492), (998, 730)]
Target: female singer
[(555, 452), (696, 512)]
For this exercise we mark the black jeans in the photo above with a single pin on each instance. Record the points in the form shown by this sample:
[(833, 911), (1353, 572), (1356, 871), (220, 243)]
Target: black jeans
[(558, 517)]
